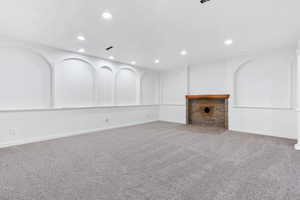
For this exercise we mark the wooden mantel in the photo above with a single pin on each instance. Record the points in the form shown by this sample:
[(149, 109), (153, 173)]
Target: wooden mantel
[(208, 96)]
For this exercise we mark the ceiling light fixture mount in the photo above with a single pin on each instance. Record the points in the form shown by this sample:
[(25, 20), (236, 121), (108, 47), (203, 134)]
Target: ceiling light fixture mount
[(156, 61), (81, 38), (183, 52), (228, 42), (82, 50), (106, 15)]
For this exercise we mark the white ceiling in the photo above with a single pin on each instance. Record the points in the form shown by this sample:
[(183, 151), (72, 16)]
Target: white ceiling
[(145, 30)]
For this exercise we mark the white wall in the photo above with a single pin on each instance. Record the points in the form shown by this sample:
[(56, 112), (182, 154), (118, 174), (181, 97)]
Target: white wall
[(48, 93), (105, 86), (263, 94), (74, 83), (127, 86), (297, 146), (208, 78), (264, 81), (19, 127), (262, 89), (174, 87), (25, 79), (150, 89)]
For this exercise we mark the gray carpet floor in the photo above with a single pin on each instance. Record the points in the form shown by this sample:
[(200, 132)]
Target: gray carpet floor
[(155, 161)]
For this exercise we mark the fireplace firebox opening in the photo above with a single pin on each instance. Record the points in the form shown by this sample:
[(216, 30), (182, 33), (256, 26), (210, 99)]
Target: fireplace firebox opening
[(207, 110)]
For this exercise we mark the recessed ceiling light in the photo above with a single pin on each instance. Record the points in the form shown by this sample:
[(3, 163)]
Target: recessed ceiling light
[(82, 50), (183, 52), (106, 15), (228, 42), (81, 37), (156, 61), (133, 62), (111, 57)]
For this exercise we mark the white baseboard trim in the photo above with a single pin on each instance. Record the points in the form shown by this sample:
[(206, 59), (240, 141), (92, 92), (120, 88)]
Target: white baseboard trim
[(297, 146), (263, 133), (52, 137), (172, 121)]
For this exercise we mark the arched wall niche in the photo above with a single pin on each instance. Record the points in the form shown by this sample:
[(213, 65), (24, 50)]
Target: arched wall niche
[(264, 82), (25, 79), (127, 86), (105, 85), (235, 83), (149, 88), (75, 80)]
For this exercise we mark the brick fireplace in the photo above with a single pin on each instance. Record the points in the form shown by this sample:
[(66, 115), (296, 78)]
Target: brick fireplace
[(207, 110)]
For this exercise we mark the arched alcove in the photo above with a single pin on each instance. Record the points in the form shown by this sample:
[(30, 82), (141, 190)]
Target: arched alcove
[(25, 79), (149, 88), (105, 86), (126, 86), (74, 83), (264, 82)]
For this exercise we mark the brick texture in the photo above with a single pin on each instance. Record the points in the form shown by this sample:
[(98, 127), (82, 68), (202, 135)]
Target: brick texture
[(208, 112)]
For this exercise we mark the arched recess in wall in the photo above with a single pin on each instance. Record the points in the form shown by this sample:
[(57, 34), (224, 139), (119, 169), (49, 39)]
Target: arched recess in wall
[(74, 83), (264, 83), (149, 88), (25, 79), (126, 86), (105, 86)]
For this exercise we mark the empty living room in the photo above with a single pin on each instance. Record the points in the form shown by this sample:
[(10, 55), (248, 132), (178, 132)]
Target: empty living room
[(150, 100)]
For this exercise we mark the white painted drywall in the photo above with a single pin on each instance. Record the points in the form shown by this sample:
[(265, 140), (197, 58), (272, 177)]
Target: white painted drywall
[(270, 111), (74, 83), (149, 88), (174, 86), (265, 81), (22, 127), (297, 146), (49, 93), (25, 79), (269, 78), (105, 86), (208, 78), (126, 87), (172, 113)]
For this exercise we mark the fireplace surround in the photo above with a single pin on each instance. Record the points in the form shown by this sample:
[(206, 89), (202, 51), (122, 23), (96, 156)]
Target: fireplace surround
[(207, 110)]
